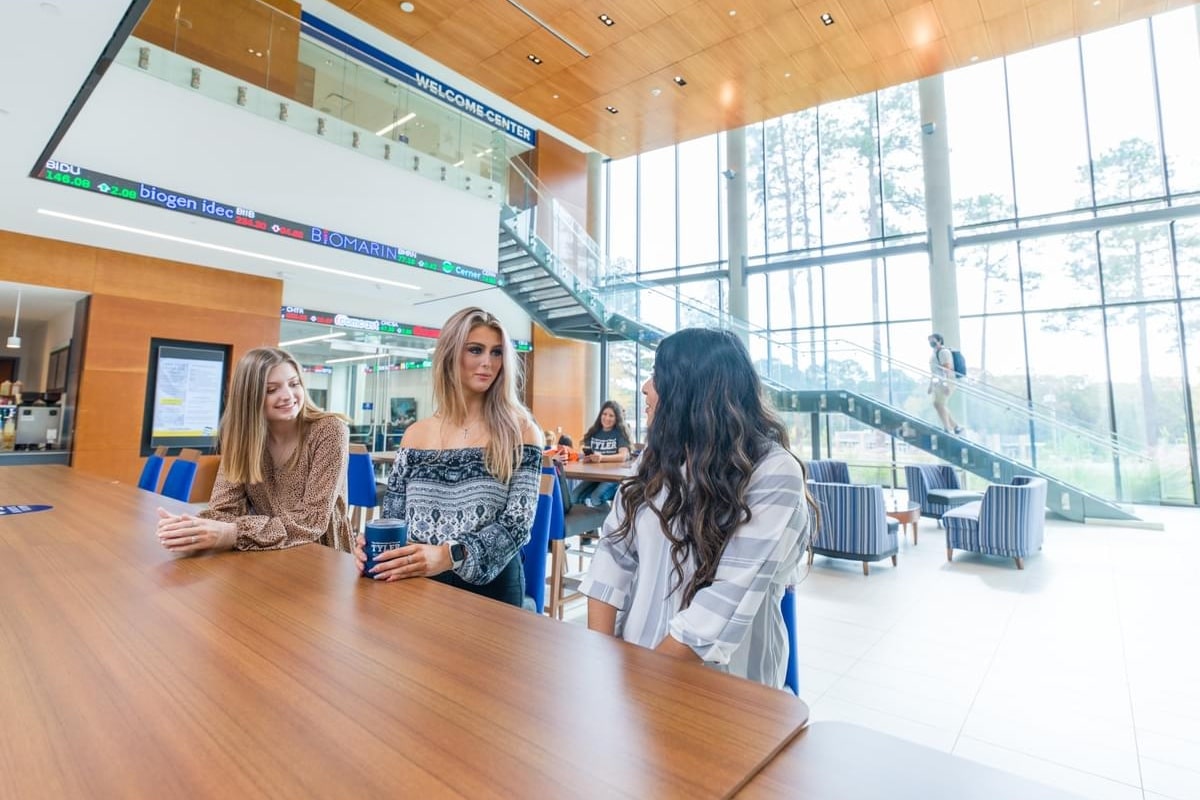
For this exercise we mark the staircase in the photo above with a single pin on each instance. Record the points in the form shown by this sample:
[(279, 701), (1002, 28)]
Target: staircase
[(1062, 499), (555, 296)]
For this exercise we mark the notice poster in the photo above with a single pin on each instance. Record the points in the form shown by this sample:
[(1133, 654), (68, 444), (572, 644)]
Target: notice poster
[(186, 394)]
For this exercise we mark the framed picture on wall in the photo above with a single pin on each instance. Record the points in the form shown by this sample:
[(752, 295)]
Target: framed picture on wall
[(403, 411)]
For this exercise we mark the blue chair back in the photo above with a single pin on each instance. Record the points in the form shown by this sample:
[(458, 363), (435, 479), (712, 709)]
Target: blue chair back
[(920, 478), (150, 473), (828, 471), (360, 481), (533, 553), (853, 522), (180, 478), (787, 605)]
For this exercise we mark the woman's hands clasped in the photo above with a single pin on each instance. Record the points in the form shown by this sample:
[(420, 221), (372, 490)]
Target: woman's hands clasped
[(410, 561), (183, 533)]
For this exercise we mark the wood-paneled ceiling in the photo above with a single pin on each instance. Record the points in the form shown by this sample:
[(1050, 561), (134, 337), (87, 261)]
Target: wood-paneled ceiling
[(743, 60)]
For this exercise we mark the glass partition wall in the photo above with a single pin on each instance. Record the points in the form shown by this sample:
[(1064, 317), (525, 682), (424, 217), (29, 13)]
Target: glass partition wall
[(381, 381), (1075, 183), (263, 46)]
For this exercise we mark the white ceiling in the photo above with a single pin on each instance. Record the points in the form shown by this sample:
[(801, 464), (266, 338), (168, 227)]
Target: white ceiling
[(38, 303), (141, 128)]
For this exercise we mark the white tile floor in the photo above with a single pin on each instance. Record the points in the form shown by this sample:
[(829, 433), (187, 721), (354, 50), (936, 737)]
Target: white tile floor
[(1081, 672)]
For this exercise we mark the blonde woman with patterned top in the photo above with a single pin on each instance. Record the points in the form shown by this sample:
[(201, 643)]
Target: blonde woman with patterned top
[(282, 479), (465, 480)]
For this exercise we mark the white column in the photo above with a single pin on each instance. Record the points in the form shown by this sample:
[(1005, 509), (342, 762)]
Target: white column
[(939, 209), (736, 234), (592, 390)]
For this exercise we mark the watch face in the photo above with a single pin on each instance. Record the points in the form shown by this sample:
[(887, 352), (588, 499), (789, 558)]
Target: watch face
[(458, 553)]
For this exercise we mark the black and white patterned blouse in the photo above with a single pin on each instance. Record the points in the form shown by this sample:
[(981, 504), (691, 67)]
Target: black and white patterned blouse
[(448, 495)]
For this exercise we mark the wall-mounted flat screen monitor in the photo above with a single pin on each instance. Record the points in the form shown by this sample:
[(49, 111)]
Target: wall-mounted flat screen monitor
[(185, 395)]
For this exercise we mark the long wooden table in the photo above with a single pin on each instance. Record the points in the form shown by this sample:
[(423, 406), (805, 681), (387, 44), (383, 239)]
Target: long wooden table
[(126, 671), (601, 472)]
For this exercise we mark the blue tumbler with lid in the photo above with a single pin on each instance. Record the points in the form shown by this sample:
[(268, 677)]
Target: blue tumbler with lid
[(383, 535)]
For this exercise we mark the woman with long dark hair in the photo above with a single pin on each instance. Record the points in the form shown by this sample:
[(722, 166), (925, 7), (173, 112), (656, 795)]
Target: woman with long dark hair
[(701, 542), (606, 440), (466, 479)]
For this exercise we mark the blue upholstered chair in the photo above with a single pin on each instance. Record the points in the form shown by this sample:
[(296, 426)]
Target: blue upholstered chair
[(533, 554), (828, 471), (787, 604), (180, 478), (923, 477), (151, 472), (1009, 521), (361, 495), (853, 524)]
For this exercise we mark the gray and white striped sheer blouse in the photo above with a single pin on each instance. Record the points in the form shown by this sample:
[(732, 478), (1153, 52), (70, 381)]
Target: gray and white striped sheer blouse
[(735, 624)]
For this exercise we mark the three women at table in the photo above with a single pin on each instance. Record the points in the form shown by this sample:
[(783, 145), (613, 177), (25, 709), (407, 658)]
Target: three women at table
[(466, 479), (282, 477), (608, 441), (704, 538)]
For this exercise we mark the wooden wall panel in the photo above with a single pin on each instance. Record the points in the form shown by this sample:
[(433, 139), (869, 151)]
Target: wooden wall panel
[(134, 299), (563, 170), (558, 381)]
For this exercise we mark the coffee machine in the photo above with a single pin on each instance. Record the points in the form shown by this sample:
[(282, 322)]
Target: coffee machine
[(38, 427)]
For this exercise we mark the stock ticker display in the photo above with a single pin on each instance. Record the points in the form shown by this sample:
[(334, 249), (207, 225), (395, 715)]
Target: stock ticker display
[(89, 180)]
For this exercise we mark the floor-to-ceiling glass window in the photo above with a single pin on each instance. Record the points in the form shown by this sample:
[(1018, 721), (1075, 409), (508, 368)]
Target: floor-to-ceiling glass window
[(1075, 184)]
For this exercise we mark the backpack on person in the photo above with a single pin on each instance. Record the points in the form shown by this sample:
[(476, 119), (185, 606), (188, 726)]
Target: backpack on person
[(960, 363)]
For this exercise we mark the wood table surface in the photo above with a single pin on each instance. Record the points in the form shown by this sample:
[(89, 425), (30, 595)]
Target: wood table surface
[(126, 671), (601, 471), (840, 761)]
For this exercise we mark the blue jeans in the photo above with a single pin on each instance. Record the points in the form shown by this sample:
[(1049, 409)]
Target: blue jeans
[(606, 492)]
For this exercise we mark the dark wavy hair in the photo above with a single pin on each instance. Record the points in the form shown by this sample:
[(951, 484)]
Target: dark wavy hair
[(619, 425), (710, 429)]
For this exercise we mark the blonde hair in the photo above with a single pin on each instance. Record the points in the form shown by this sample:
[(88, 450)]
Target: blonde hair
[(243, 425), (506, 416)]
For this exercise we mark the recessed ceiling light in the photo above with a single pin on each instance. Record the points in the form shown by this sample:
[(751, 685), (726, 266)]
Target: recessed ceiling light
[(827, 19), (607, 20), (555, 97), (1095, 2), (611, 109), (460, 162), (534, 58), (407, 8), (733, 12), (787, 74), (655, 92), (974, 59), (679, 81)]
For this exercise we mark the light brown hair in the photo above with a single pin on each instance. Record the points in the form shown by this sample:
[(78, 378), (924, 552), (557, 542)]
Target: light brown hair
[(243, 425)]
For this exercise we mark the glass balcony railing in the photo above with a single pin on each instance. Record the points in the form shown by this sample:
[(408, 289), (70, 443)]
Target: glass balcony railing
[(1041, 436), (250, 54)]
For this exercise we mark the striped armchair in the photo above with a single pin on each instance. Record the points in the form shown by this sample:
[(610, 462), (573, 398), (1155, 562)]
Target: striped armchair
[(923, 477), (853, 524), (828, 471), (1009, 521)]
